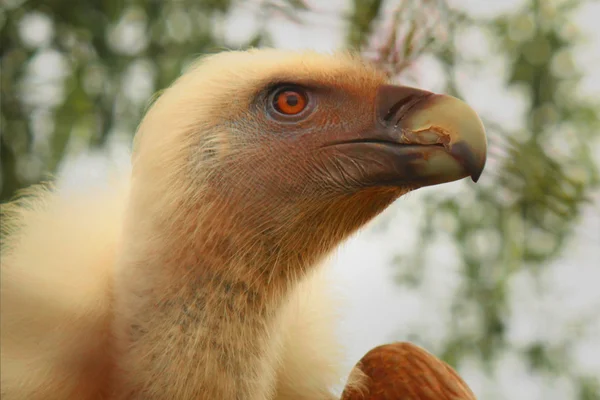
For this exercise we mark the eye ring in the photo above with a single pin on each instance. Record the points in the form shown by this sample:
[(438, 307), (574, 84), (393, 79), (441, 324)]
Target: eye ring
[(289, 101)]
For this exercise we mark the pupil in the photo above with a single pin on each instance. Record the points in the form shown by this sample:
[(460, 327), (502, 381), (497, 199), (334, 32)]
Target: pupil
[(292, 100)]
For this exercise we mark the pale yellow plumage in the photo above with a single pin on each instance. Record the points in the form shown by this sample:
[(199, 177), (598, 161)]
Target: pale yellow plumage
[(56, 304), (56, 293)]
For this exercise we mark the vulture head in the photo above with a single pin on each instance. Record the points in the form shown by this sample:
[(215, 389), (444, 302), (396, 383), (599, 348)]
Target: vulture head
[(294, 150)]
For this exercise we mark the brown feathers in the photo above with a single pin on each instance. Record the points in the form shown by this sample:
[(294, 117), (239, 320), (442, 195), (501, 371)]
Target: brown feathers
[(403, 371)]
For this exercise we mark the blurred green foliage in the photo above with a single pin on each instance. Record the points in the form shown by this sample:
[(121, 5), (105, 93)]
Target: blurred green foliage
[(521, 214), (95, 48)]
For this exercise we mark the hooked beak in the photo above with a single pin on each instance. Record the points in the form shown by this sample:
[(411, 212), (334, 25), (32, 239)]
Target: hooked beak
[(419, 138)]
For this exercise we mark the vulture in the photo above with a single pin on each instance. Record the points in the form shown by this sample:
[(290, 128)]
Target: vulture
[(199, 275)]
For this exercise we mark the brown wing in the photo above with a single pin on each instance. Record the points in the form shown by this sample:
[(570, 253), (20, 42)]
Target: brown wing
[(403, 371)]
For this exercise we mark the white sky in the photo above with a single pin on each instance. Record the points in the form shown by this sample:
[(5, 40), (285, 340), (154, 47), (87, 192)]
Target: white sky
[(377, 311)]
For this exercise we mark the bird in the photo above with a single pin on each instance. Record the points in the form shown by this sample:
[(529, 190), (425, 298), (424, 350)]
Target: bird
[(405, 371), (199, 274)]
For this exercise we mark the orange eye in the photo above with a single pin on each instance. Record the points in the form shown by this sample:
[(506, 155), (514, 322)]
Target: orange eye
[(289, 102)]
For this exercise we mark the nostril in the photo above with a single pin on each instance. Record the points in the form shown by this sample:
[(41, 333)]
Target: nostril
[(396, 101), (406, 103)]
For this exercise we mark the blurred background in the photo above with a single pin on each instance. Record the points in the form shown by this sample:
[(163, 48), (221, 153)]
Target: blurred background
[(500, 279)]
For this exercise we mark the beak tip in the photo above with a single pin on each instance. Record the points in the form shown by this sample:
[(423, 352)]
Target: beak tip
[(469, 158), (476, 170)]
